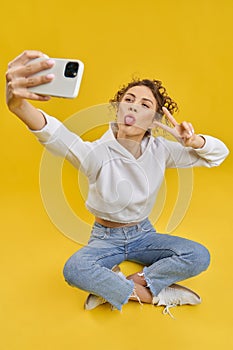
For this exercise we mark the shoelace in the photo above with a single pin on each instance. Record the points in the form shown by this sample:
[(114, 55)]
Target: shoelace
[(166, 310), (172, 303), (134, 295)]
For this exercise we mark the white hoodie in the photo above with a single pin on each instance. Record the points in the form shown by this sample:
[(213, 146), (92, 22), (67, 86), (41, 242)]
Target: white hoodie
[(121, 188)]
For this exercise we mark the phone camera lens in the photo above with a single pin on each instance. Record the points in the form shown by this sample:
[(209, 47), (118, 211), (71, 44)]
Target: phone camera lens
[(71, 69)]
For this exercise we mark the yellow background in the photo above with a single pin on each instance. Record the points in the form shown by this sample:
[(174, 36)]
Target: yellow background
[(186, 44)]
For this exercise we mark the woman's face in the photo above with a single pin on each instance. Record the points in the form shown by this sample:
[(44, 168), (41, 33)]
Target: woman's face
[(136, 111)]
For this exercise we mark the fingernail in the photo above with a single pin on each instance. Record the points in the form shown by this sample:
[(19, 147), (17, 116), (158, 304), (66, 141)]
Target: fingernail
[(50, 76), (50, 62)]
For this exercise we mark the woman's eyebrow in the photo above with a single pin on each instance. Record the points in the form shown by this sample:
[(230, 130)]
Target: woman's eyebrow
[(144, 98), (129, 93), (147, 99)]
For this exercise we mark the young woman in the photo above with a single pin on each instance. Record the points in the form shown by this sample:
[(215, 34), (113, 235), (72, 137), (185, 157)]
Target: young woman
[(125, 168)]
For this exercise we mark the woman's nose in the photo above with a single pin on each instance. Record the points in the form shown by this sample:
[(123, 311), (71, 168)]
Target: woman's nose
[(133, 108)]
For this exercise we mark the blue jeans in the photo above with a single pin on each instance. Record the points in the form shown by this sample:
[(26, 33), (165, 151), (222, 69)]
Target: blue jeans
[(167, 259)]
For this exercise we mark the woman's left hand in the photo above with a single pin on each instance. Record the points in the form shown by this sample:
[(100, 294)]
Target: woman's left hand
[(183, 132)]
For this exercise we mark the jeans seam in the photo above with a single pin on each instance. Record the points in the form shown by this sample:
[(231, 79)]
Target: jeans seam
[(155, 249), (106, 255)]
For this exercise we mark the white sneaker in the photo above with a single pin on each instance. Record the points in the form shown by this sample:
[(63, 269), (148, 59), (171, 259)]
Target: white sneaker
[(175, 295), (93, 300)]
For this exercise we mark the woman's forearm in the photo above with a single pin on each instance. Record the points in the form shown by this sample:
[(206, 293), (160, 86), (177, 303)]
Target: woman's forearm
[(29, 115)]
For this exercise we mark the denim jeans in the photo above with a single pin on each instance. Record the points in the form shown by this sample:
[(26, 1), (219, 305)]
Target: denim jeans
[(166, 259)]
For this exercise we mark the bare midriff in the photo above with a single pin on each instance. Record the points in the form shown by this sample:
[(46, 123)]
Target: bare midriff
[(113, 224)]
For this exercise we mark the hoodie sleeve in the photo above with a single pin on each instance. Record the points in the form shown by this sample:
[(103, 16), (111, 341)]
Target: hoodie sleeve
[(62, 142), (211, 154)]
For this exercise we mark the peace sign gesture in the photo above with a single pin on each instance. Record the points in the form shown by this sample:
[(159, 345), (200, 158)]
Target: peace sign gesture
[(183, 132)]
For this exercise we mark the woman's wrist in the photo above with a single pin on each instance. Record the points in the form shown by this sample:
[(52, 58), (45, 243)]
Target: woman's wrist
[(19, 107), (198, 142), (30, 115)]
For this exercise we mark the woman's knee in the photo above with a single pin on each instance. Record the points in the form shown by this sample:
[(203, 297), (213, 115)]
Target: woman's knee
[(201, 257), (78, 270), (69, 271), (72, 271)]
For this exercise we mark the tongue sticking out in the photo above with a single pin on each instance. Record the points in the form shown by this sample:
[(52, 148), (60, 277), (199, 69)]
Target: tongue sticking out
[(129, 120)]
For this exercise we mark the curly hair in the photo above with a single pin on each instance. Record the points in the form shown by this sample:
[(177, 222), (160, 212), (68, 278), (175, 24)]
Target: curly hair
[(159, 92)]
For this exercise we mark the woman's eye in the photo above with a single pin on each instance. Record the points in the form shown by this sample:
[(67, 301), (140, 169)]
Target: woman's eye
[(128, 99), (145, 105)]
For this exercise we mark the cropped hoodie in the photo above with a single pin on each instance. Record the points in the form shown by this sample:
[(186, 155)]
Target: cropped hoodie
[(122, 188)]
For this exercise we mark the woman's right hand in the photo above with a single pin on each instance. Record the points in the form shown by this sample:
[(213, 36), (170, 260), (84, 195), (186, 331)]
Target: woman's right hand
[(19, 77)]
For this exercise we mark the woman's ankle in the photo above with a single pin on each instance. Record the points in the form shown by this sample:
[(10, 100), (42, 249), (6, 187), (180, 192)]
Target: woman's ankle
[(137, 278), (141, 294)]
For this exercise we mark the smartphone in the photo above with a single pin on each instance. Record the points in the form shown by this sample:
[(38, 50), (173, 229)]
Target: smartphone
[(67, 78)]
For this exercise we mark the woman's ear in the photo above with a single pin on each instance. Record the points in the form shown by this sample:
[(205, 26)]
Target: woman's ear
[(158, 116), (116, 105)]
